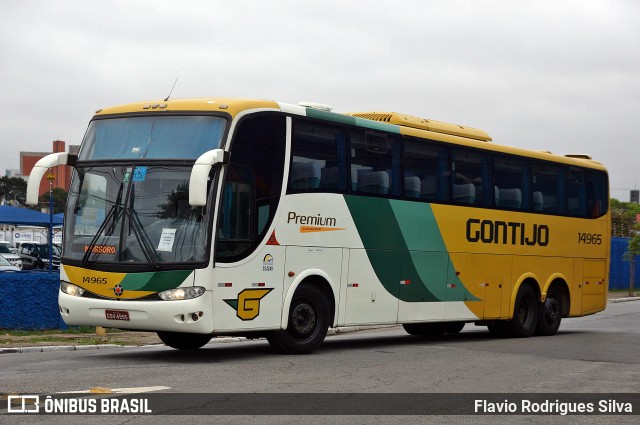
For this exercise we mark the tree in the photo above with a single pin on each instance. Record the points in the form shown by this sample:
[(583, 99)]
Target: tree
[(633, 250), (623, 217), (59, 200), (13, 191)]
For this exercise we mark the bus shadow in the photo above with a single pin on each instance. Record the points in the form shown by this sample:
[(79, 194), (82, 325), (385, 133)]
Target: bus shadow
[(250, 350)]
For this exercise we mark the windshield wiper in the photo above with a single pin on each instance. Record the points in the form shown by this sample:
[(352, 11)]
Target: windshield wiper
[(111, 213), (92, 244), (143, 239)]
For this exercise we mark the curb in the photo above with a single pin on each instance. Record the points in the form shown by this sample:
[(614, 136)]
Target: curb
[(623, 300)]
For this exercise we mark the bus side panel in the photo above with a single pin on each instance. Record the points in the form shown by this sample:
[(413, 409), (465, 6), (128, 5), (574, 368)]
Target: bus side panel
[(367, 300), (307, 262), (594, 294), (248, 295), (424, 279), (486, 276), (541, 269), (575, 288)]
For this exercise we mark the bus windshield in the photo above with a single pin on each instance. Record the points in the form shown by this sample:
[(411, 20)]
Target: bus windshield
[(152, 137), (133, 214)]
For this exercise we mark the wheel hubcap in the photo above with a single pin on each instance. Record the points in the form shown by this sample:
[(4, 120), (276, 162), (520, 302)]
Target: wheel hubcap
[(552, 309), (303, 318)]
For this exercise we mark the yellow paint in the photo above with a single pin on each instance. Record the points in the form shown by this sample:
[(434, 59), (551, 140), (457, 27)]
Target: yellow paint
[(101, 282), (249, 303), (313, 229), (225, 105), (510, 264)]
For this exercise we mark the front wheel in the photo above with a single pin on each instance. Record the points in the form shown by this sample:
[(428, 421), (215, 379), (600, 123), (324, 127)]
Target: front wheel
[(308, 323), (184, 341)]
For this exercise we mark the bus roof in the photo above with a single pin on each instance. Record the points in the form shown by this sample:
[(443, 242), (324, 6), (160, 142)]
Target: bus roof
[(384, 121), (211, 104)]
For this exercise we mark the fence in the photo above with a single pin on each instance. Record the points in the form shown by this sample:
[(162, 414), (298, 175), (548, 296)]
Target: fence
[(30, 300), (619, 272)]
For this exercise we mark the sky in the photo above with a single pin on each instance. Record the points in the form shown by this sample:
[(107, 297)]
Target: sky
[(562, 76)]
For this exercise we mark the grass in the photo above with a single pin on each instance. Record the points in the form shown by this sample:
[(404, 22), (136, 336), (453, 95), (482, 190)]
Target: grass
[(78, 335), (73, 330)]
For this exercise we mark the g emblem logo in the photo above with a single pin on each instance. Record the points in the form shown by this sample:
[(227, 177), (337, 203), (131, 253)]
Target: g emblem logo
[(247, 305)]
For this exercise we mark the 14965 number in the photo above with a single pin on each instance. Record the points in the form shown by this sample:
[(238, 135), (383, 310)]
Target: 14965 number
[(590, 238)]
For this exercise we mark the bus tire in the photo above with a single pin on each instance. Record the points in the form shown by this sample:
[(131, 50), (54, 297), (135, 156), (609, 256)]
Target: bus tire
[(453, 327), (525, 314), (308, 323), (184, 341), (549, 314)]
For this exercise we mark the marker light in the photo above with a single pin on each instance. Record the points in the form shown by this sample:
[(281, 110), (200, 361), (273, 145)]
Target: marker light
[(181, 293), (71, 289)]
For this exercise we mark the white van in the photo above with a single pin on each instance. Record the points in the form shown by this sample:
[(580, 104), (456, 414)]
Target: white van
[(7, 252)]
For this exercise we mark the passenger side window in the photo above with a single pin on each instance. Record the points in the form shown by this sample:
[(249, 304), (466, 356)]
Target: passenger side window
[(318, 160), (509, 189), (425, 171), (547, 185), (597, 194), (469, 178), (576, 193), (375, 163)]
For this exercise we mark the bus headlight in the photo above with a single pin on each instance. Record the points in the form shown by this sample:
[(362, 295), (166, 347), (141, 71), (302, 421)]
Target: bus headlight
[(71, 289), (181, 293)]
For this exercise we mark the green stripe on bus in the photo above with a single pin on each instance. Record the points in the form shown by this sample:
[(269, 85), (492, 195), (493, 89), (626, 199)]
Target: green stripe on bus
[(406, 233), (154, 281), (346, 119)]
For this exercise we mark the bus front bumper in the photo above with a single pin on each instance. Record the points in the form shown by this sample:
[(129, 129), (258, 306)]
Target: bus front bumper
[(190, 316)]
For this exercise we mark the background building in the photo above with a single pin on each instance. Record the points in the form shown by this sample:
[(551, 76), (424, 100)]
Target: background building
[(62, 173)]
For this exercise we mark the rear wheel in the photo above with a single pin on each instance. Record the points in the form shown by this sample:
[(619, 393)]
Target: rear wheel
[(525, 314), (184, 341), (308, 323), (549, 314)]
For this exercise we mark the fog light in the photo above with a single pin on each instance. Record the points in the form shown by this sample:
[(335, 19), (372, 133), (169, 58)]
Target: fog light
[(71, 289), (181, 293)]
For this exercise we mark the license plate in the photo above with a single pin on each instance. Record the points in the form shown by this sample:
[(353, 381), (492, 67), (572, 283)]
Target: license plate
[(117, 315)]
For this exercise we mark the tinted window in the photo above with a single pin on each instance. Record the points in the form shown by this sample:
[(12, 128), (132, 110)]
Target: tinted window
[(252, 186), (318, 158), (469, 180), (375, 163), (509, 176), (576, 193), (425, 171), (597, 193), (547, 184)]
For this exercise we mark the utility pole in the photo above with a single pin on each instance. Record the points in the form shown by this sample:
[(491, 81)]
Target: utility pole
[(51, 178), (632, 272)]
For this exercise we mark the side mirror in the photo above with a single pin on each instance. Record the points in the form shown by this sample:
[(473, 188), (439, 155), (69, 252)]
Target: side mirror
[(200, 175), (39, 170)]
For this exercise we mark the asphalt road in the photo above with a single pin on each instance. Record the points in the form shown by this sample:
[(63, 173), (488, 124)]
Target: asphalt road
[(594, 354)]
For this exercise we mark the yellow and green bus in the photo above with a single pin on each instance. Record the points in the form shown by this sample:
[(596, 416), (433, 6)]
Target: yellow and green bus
[(203, 217)]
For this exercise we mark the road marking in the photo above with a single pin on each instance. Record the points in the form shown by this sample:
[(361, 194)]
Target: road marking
[(132, 390)]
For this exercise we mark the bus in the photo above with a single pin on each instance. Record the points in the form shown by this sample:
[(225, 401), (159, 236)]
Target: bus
[(197, 218)]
